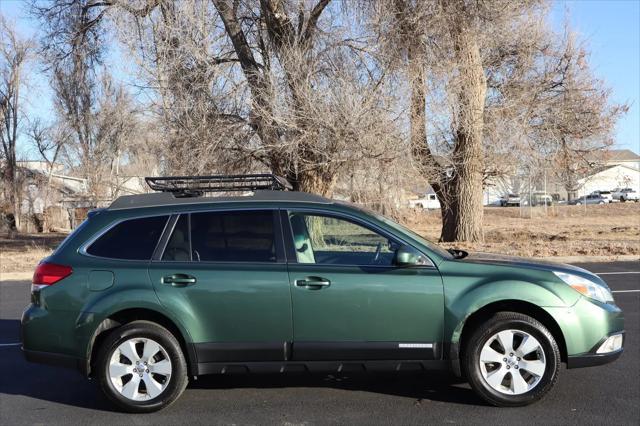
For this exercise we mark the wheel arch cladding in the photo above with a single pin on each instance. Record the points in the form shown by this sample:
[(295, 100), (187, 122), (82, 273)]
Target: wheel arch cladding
[(466, 327), (126, 316)]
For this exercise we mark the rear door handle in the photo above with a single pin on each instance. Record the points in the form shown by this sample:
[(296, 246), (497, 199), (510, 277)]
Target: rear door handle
[(179, 280), (313, 283)]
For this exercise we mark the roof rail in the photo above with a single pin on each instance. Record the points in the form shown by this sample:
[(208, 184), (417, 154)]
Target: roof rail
[(193, 186)]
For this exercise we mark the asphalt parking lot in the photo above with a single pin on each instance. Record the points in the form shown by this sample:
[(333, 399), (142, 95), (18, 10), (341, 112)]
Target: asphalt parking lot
[(38, 394)]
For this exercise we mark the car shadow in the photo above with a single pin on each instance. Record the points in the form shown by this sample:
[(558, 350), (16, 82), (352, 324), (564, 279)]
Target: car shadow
[(420, 386), (42, 382), (69, 387), (9, 331)]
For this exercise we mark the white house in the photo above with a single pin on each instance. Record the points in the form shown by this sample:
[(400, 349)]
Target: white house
[(623, 157), (609, 178)]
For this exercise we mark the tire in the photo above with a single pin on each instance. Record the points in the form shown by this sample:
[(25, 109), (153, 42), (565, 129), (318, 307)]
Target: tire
[(509, 392), (601, 202), (578, 203), (168, 386)]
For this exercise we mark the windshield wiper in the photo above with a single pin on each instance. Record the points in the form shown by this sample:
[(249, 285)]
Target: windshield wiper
[(457, 253)]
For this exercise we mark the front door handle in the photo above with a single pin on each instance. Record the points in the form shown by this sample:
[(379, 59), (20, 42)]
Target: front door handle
[(313, 283), (179, 280)]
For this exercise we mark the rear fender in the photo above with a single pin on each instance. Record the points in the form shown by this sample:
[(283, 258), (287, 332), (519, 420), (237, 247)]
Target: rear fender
[(95, 319)]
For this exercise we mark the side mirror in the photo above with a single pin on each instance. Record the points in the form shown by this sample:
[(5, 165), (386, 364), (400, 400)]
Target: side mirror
[(408, 256)]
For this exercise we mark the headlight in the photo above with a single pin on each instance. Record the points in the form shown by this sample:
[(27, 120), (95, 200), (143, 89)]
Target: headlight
[(586, 286)]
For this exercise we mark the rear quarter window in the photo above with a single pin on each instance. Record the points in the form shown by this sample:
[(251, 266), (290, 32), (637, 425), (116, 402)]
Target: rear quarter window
[(133, 239)]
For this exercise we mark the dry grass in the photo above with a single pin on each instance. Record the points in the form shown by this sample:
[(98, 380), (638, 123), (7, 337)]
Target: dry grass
[(24, 251), (607, 231)]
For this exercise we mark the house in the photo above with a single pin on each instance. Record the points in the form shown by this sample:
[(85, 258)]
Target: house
[(610, 177), (623, 157), (53, 200)]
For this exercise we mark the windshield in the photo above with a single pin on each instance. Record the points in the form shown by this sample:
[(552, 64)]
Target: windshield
[(432, 246)]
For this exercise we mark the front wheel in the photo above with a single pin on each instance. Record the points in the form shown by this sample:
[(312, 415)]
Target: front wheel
[(141, 367), (512, 360)]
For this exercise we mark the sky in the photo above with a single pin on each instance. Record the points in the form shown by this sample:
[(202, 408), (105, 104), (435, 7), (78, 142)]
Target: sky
[(611, 29)]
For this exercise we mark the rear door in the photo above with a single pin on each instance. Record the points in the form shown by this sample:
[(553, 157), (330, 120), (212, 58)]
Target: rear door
[(223, 274), (349, 300)]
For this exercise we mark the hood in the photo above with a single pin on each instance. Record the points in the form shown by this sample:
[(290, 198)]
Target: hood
[(523, 262)]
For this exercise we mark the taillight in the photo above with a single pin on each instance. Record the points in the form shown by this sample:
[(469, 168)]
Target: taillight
[(49, 273)]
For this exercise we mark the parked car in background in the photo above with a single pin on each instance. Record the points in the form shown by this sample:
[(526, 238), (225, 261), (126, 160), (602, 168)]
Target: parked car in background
[(589, 199), (429, 201), (625, 194), (607, 195), (539, 199), (510, 200)]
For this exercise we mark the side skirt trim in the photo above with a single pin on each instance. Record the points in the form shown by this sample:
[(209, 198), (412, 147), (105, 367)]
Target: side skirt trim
[(321, 366)]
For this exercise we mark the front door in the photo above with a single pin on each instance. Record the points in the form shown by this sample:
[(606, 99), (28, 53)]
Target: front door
[(349, 300), (223, 275)]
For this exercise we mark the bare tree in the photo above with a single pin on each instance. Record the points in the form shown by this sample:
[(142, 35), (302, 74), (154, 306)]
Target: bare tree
[(50, 141), (14, 53), (96, 110), (574, 118), (270, 91)]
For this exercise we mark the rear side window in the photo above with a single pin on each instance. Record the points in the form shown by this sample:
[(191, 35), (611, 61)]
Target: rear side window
[(179, 247), (133, 239), (241, 236)]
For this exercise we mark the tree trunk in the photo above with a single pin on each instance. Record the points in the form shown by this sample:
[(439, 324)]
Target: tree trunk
[(320, 182), (462, 220), (418, 115)]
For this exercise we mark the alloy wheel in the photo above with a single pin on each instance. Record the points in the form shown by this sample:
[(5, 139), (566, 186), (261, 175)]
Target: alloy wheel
[(512, 362), (140, 369)]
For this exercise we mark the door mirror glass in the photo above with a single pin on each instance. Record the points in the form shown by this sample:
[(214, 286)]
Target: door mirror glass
[(408, 256)]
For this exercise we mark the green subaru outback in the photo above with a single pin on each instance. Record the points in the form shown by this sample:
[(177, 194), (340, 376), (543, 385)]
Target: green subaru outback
[(165, 286)]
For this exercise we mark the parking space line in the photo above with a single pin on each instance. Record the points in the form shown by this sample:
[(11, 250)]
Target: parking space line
[(625, 291), (617, 273)]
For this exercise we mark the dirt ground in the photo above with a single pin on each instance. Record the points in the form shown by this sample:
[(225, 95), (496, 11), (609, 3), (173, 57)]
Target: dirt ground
[(609, 231), (24, 251)]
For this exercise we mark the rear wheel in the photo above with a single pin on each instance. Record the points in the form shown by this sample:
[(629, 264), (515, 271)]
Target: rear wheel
[(512, 360), (141, 367)]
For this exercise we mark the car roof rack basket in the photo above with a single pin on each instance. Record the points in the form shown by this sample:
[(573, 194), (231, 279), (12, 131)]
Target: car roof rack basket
[(194, 186)]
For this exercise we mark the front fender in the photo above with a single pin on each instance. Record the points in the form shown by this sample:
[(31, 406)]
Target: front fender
[(461, 305)]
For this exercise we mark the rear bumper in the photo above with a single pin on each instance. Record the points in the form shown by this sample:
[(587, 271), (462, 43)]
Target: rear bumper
[(58, 360), (44, 342)]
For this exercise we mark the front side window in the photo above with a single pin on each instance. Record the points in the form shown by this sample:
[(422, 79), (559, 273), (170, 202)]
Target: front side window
[(240, 236), (133, 239), (334, 241)]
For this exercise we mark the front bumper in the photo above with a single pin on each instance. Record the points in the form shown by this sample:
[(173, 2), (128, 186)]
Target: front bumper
[(585, 326), (593, 358)]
